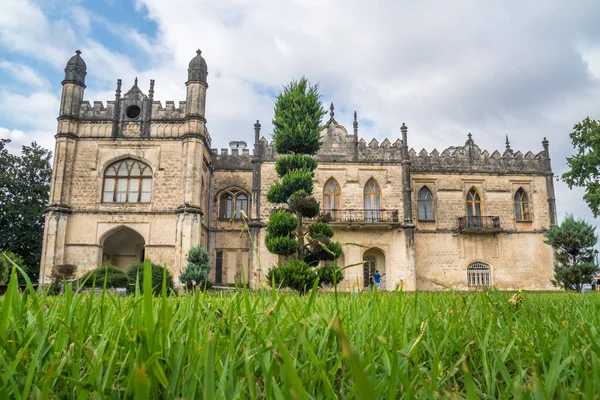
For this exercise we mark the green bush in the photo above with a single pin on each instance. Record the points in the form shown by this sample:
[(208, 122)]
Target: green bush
[(195, 273), (137, 269), (320, 230), (289, 162), (329, 274), (294, 274), (282, 223), (283, 245), (305, 204), (115, 277), (6, 265)]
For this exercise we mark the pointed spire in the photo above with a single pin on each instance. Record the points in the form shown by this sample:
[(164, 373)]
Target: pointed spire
[(151, 91), (470, 141), (331, 114), (508, 149), (257, 131), (118, 91), (355, 125), (135, 82)]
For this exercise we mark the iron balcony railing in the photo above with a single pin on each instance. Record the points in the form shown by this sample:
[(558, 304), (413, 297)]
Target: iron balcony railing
[(479, 224), (361, 216)]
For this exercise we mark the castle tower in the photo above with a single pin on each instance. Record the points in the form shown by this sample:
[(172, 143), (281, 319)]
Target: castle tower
[(58, 211), (195, 148)]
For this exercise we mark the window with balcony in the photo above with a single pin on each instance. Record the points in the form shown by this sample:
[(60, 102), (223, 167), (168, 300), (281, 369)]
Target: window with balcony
[(127, 181), (425, 204), (522, 205), (474, 209), (372, 194), (332, 198)]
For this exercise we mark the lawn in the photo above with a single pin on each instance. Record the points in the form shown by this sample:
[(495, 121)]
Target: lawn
[(269, 344)]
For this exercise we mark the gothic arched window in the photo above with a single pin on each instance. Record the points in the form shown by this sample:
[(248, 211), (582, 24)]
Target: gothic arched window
[(478, 275), (332, 195), (425, 204), (232, 204), (522, 205), (372, 195), (127, 181), (474, 208)]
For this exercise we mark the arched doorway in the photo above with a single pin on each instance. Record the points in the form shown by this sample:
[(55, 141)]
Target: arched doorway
[(123, 246), (373, 260)]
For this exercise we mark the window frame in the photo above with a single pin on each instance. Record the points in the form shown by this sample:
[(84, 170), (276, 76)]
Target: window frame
[(430, 201), (374, 192), (234, 213), (523, 205), (141, 178), (331, 196), (479, 271)]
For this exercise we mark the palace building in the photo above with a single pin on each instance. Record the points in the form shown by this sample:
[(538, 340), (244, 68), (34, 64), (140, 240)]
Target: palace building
[(137, 179)]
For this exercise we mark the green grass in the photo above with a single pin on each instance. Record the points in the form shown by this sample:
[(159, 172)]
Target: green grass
[(279, 345)]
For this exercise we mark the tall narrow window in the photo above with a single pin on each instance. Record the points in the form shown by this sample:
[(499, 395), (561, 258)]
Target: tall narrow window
[(522, 206), (474, 209), (332, 195), (372, 201), (425, 203), (127, 181), (478, 275), (233, 204)]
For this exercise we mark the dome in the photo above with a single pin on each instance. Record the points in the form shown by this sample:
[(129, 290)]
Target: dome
[(75, 70), (197, 70)]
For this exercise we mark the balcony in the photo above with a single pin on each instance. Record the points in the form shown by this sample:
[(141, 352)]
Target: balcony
[(479, 224), (358, 218)]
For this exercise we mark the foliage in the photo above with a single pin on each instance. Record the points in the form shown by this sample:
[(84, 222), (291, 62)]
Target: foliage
[(304, 204), (585, 165), (24, 188), (60, 273), (330, 274), (369, 345), (289, 162), (6, 265), (294, 274), (158, 274), (195, 274), (282, 245), (297, 120), (106, 273), (573, 242)]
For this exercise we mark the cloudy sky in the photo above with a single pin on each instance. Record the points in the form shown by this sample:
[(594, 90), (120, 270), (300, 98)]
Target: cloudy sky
[(444, 68)]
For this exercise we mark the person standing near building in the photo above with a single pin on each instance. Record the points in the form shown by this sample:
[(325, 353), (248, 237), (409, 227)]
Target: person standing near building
[(377, 278)]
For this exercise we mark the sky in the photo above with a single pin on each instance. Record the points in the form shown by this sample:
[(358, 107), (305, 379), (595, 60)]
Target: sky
[(526, 69)]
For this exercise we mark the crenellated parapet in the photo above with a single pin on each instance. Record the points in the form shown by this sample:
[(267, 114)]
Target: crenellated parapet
[(231, 159)]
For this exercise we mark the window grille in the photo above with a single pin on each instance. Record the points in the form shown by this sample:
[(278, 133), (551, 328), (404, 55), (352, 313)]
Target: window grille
[(478, 275), (127, 181), (425, 203)]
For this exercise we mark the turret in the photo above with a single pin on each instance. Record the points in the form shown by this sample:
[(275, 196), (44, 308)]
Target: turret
[(196, 87), (73, 87)]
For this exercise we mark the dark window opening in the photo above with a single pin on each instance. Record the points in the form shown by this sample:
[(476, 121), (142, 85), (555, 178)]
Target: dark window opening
[(133, 111)]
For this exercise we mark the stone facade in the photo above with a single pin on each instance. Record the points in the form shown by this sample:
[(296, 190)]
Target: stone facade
[(191, 194)]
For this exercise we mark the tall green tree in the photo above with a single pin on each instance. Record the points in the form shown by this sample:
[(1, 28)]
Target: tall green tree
[(573, 242), (585, 164), (297, 122), (24, 189)]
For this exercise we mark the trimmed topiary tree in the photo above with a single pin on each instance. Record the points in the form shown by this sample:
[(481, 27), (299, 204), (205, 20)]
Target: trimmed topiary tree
[(115, 277), (158, 274), (195, 273), (297, 121)]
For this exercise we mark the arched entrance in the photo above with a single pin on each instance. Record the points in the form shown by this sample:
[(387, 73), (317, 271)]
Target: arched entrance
[(373, 260), (123, 246)]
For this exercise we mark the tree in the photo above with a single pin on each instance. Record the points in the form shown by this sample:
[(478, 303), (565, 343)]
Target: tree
[(195, 273), (297, 121), (585, 165), (573, 242), (24, 189)]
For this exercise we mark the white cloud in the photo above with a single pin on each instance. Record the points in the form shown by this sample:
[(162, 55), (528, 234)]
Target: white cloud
[(25, 74)]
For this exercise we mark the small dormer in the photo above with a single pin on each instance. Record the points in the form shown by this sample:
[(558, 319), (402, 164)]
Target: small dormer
[(133, 104), (134, 112)]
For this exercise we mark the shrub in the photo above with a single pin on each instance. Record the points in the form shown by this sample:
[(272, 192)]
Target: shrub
[(305, 204), (320, 230), (137, 269), (60, 273), (283, 245), (195, 274), (294, 274), (115, 277), (6, 265), (289, 162), (330, 274)]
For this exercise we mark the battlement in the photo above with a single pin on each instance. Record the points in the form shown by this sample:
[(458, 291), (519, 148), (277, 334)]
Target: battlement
[(169, 112), (231, 159), (96, 112)]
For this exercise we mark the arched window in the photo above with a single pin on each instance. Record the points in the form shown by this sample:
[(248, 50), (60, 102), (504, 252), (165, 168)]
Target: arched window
[(372, 201), (478, 275), (425, 203), (127, 181), (474, 208), (522, 205), (232, 204), (332, 195)]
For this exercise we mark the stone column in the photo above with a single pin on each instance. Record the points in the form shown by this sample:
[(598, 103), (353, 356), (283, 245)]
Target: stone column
[(409, 227)]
